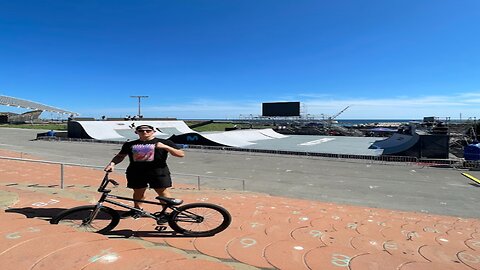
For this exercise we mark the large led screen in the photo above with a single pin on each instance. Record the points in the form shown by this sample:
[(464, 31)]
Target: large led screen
[(281, 109)]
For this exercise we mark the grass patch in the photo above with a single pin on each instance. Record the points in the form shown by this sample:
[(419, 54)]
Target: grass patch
[(214, 127), (222, 126), (59, 127)]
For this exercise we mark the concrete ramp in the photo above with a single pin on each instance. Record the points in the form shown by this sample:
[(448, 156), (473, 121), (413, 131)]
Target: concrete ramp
[(232, 138), (218, 139), (177, 131), (99, 130), (265, 139), (131, 135), (242, 137), (248, 135), (272, 133), (123, 130), (228, 138), (164, 126), (397, 143), (172, 131)]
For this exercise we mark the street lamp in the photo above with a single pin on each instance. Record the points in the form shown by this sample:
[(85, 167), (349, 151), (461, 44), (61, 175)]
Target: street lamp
[(139, 98)]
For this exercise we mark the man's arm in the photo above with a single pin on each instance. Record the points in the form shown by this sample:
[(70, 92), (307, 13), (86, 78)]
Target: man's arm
[(116, 159), (173, 151)]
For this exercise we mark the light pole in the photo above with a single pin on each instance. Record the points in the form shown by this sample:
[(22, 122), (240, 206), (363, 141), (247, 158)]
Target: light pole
[(139, 98)]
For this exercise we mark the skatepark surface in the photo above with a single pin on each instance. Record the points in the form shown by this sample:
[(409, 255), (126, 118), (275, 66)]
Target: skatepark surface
[(264, 139), (295, 213)]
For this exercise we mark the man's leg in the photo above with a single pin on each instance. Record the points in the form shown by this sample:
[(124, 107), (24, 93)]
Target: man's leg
[(163, 192), (138, 194)]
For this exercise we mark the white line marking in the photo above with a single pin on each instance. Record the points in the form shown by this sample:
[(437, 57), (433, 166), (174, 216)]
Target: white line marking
[(318, 141)]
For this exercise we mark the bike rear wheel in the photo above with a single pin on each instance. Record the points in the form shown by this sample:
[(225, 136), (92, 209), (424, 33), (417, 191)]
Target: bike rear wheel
[(81, 218), (199, 219)]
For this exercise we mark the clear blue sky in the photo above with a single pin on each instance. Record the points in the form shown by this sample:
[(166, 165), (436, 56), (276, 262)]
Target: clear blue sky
[(388, 59)]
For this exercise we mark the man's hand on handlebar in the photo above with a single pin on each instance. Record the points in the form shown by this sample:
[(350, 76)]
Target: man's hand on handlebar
[(109, 167), (116, 159)]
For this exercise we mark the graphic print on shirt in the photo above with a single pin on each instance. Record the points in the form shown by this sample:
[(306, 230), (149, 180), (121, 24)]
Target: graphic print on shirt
[(143, 152)]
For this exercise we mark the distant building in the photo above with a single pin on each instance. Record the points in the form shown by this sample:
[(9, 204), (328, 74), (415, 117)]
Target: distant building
[(30, 116), (14, 118)]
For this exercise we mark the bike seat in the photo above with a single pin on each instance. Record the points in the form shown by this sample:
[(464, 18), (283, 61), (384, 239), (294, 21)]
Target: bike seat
[(171, 201)]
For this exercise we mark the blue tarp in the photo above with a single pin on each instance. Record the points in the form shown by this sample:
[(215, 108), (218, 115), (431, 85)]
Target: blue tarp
[(472, 152)]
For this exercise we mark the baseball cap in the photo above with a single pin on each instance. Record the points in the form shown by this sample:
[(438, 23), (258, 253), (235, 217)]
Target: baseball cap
[(144, 127)]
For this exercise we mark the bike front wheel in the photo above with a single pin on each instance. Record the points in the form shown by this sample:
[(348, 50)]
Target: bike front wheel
[(199, 219), (82, 218)]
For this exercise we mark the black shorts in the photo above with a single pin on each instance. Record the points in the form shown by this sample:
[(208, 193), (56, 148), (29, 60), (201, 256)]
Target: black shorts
[(136, 180)]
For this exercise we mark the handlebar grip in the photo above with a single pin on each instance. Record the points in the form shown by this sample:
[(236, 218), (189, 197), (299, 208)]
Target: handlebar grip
[(115, 183)]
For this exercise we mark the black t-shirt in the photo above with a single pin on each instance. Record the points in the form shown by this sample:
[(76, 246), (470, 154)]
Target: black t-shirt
[(145, 157)]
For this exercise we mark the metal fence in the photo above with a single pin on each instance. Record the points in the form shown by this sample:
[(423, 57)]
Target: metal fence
[(382, 159), (193, 179)]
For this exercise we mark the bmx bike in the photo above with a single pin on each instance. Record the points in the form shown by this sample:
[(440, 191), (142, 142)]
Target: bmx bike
[(193, 219)]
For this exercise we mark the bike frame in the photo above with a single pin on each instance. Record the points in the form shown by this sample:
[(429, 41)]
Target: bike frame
[(106, 197), (195, 219)]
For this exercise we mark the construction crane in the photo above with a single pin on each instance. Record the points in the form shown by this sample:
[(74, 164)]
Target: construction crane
[(340, 112), (331, 119)]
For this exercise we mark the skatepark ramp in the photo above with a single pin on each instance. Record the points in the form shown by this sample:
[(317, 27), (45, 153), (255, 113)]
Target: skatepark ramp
[(122, 130), (177, 131), (258, 139), (397, 143)]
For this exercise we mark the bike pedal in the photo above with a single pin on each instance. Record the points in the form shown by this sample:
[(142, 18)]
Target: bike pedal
[(138, 215), (160, 228), (160, 222)]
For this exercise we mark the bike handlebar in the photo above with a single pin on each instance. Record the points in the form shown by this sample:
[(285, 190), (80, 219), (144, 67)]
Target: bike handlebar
[(115, 183), (105, 182)]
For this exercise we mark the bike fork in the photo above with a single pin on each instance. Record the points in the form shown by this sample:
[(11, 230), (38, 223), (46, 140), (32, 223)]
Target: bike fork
[(93, 215)]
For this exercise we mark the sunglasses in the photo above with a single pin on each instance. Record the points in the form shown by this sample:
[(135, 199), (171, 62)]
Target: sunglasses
[(145, 130)]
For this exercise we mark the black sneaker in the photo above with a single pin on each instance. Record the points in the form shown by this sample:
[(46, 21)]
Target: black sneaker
[(131, 213), (162, 220)]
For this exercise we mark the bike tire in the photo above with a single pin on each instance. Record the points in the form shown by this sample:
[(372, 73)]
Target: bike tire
[(199, 219), (105, 221)]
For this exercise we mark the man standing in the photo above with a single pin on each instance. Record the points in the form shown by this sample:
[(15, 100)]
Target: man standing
[(148, 164)]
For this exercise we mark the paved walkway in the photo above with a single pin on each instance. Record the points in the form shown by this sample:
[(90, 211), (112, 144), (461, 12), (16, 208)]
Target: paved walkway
[(267, 232)]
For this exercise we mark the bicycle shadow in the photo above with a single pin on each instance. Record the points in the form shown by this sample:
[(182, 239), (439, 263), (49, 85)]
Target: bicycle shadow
[(147, 234), (48, 213), (30, 212)]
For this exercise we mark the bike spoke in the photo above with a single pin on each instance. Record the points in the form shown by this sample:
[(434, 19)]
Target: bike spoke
[(203, 219), (81, 219)]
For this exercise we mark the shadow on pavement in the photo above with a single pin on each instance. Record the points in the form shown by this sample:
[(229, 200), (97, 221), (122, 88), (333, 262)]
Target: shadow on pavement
[(162, 232), (30, 212)]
